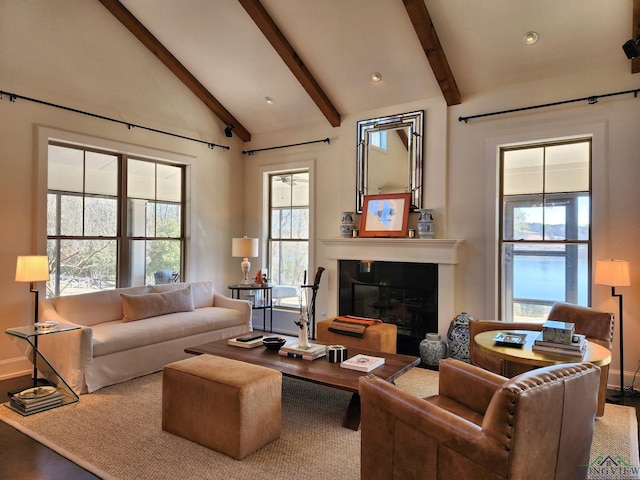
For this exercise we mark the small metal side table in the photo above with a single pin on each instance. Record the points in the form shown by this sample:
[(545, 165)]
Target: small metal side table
[(263, 301), (26, 339)]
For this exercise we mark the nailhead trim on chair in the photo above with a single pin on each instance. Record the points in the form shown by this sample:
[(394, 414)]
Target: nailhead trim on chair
[(521, 386)]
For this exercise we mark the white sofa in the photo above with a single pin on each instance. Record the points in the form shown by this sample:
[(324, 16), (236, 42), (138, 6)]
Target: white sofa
[(115, 343)]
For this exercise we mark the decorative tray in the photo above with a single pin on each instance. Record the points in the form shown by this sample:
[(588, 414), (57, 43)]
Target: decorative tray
[(510, 339)]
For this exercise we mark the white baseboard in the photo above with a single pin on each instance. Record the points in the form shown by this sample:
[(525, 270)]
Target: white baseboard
[(15, 367)]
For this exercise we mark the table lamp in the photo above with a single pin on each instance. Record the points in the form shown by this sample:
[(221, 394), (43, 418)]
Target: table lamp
[(615, 273), (245, 248), (32, 269)]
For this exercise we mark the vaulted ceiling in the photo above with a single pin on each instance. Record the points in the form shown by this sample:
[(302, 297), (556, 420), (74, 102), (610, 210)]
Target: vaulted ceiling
[(314, 58)]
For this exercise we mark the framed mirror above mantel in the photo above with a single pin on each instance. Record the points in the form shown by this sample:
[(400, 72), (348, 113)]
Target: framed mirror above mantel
[(389, 158)]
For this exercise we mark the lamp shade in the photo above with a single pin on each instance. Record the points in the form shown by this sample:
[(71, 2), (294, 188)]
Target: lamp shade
[(614, 273), (244, 247), (32, 268)]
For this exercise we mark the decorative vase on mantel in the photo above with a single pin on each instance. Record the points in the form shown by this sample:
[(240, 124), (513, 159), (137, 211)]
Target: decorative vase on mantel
[(432, 349), (458, 337), (346, 225), (426, 225)]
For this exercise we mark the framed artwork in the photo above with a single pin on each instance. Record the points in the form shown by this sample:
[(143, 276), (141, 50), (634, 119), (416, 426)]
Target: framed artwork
[(385, 215)]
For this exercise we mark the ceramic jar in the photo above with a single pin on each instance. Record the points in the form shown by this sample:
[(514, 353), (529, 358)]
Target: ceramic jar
[(346, 224), (458, 337), (426, 226), (432, 349)]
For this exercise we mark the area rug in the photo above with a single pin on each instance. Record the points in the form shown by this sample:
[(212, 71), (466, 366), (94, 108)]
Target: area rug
[(116, 434)]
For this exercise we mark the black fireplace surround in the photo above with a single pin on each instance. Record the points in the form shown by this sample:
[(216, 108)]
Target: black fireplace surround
[(402, 293)]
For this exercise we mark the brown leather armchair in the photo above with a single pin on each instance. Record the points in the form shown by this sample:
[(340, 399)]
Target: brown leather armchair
[(595, 325), (538, 425)]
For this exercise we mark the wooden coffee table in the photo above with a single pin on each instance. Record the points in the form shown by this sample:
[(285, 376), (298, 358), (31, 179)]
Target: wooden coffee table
[(317, 371)]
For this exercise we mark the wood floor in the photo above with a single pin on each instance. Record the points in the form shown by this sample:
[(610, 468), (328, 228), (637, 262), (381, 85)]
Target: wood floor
[(23, 458)]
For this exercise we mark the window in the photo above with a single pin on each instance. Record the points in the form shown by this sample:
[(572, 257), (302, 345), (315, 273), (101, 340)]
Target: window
[(289, 231), (545, 228), (378, 139), (103, 232)]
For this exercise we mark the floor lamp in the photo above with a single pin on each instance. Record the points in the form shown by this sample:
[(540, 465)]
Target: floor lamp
[(615, 273), (32, 269)]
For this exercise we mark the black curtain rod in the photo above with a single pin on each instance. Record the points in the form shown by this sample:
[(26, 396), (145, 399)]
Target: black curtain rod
[(251, 152), (591, 100), (13, 96)]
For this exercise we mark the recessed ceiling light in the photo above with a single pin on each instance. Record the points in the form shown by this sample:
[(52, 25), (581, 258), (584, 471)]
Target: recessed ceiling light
[(530, 38), (376, 76), (269, 100)]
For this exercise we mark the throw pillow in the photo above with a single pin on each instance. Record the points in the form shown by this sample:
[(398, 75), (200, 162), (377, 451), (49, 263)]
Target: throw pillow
[(137, 307)]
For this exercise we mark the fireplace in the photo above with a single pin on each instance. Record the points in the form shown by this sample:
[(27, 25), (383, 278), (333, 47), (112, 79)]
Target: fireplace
[(402, 293), (434, 287)]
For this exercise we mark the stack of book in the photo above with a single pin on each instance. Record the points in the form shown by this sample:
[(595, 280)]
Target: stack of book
[(294, 350), (363, 363), (576, 348), (36, 399)]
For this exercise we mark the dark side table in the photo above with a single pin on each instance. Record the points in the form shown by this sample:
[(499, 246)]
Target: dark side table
[(262, 301)]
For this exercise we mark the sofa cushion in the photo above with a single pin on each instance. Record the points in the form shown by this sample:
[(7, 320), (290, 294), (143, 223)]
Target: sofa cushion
[(117, 336), (202, 292), (89, 309), (137, 307)]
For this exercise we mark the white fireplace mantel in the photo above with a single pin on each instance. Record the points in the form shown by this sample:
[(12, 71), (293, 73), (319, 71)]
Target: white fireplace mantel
[(443, 252), (393, 249)]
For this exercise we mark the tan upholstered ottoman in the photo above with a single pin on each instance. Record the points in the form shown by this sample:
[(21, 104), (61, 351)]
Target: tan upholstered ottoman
[(229, 406), (381, 336)]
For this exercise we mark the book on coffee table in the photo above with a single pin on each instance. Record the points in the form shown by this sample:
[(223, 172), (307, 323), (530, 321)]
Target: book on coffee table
[(294, 347), (362, 363), (250, 344), (304, 356)]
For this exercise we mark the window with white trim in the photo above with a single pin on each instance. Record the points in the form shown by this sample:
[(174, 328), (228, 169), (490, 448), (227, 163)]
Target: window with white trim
[(112, 220), (289, 231), (545, 233)]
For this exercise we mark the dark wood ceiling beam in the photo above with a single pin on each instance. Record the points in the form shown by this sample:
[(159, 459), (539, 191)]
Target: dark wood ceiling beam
[(282, 46), (635, 63), (421, 20), (166, 57)]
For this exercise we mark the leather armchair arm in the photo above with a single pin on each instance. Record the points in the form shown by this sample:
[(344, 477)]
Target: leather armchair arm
[(457, 379), (419, 429)]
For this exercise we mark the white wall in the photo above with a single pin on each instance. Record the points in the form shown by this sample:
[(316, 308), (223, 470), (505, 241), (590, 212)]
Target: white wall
[(59, 56), (58, 53), (461, 183)]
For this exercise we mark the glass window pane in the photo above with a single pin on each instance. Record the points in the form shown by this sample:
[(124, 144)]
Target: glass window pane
[(289, 262), (162, 255), (523, 219), (101, 216), (281, 191), (65, 169), (275, 223), (150, 222), (149, 257), (300, 189), (52, 214), (522, 171), (85, 265), (300, 223), (101, 174), (167, 220), (169, 183), (567, 168), (71, 215), (137, 217), (141, 179)]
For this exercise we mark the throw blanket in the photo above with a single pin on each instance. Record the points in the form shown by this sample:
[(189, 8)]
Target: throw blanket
[(351, 326)]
